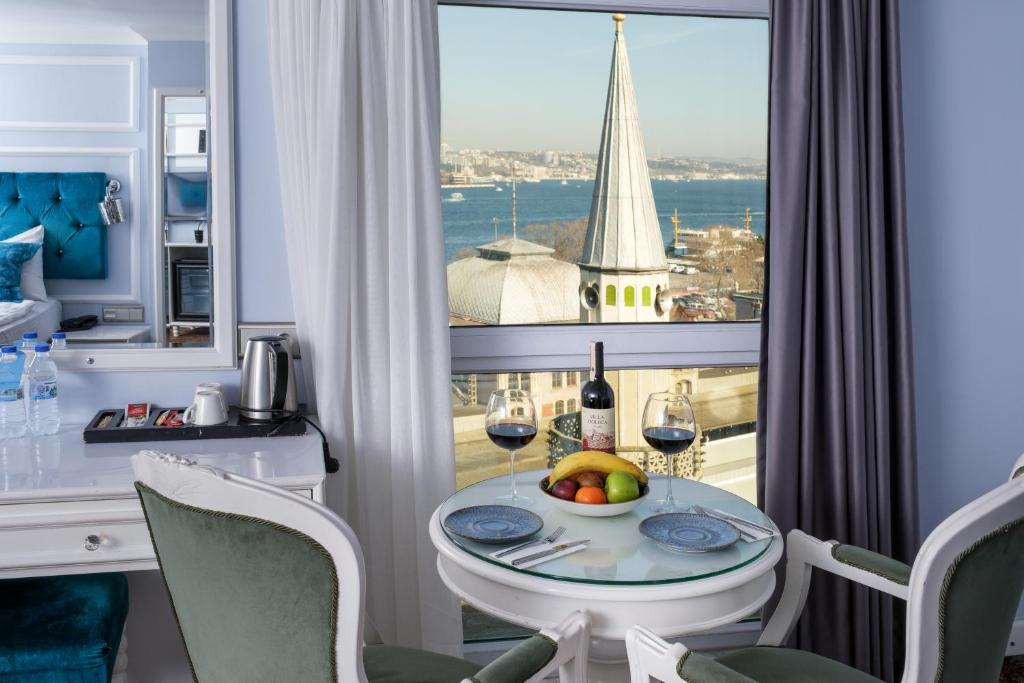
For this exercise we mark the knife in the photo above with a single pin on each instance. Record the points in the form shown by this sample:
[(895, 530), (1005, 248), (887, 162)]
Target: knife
[(551, 551), (734, 519)]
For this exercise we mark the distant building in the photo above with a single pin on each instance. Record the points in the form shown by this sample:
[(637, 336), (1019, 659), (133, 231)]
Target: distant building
[(748, 305), (512, 282)]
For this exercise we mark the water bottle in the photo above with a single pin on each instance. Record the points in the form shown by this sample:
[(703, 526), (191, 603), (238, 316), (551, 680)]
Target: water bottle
[(58, 341), (12, 405), (27, 346), (43, 415)]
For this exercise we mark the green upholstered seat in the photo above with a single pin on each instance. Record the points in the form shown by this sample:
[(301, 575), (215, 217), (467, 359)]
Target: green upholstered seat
[(389, 664), (254, 601), (781, 665), (61, 629), (977, 606)]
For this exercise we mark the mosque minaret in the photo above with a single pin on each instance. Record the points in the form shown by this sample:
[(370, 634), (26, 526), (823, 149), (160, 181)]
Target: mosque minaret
[(623, 271)]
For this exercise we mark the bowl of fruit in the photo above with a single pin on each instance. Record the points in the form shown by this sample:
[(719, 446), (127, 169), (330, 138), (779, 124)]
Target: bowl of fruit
[(595, 484)]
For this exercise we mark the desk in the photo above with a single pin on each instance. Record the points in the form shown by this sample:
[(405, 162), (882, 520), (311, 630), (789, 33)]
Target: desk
[(621, 579), (67, 507)]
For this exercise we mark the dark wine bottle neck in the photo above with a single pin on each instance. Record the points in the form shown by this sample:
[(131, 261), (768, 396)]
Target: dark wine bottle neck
[(597, 361)]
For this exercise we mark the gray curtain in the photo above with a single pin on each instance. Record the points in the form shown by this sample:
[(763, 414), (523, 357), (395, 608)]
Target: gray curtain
[(836, 451)]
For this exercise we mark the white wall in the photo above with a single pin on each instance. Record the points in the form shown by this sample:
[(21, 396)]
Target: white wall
[(963, 90)]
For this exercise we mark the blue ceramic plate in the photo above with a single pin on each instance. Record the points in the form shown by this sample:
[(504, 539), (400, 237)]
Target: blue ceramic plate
[(493, 523), (689, 533)]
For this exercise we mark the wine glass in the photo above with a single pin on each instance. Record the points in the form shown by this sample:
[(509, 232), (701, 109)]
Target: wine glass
[(511, 424), (668, 427)]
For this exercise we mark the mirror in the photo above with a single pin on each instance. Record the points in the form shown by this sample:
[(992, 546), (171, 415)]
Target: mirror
[(115, 138)]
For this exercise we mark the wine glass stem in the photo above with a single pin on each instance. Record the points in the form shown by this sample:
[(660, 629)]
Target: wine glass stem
[(668, 462), (512, 471)]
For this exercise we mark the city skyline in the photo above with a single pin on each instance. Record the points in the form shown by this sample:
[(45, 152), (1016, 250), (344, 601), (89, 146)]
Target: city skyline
[(526, 80)]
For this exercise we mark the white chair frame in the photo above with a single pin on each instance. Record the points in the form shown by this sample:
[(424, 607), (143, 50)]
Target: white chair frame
[(651, 656), (202, 486)]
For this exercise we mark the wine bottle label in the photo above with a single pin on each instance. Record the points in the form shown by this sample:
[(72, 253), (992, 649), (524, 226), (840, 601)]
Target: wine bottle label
[(598, 429)]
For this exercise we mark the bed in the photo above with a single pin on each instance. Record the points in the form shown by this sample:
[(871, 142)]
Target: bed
[(74, 242), (28, 316)]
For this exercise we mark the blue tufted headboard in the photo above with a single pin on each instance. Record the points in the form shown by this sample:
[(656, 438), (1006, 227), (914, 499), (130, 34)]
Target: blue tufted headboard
[(66, 205)]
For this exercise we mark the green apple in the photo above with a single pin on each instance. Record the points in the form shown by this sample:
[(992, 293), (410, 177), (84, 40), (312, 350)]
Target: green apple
[(621, 487)]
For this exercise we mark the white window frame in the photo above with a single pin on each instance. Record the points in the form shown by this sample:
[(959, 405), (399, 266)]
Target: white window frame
[(549, 348)]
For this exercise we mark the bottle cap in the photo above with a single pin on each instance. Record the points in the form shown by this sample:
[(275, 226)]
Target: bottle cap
[(59, 335), (42, 348), (30, 335), (8, 349)]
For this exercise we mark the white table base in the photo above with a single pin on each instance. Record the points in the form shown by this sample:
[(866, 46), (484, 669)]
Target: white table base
[(670, 609)]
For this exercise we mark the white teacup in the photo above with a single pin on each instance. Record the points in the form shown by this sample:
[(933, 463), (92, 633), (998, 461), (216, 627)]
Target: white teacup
[(207, 409), (217, 387)]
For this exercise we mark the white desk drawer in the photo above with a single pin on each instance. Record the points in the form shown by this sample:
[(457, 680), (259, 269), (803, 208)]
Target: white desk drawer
[(73, 533), (92, 535)]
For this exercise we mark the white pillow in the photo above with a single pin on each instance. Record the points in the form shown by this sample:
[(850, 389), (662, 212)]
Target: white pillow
[(32, 285)]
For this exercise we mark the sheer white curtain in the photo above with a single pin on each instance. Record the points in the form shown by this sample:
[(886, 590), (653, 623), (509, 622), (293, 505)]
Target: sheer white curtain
[(356, 109)]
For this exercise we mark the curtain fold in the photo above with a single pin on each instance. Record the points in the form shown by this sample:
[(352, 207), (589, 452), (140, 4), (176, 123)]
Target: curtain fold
[(836, 444), (357, 116)]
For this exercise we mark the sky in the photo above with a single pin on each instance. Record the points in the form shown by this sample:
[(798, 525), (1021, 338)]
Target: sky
[(526, 80)]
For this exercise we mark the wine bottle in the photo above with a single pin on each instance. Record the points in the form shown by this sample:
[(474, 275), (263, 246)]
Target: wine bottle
[(597, 423)]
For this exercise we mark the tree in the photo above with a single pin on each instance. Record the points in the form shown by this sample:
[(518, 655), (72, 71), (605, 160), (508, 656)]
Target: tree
[(565, 237)]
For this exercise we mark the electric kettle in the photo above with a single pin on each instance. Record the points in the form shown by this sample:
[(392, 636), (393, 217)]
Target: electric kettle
[(268, 380)]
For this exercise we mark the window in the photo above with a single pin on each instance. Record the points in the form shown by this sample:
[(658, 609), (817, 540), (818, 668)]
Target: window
[(534, 279), (524, 115), (724, 402)]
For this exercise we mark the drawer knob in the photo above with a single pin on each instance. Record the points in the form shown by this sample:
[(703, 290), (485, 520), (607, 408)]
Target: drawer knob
[(92, 542)]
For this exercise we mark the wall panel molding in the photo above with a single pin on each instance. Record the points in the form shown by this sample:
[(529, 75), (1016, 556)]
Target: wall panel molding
[(135, 214), (126, 122)]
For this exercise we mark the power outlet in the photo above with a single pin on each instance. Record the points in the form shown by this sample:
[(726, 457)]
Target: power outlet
[(123, 314), (247, 331)]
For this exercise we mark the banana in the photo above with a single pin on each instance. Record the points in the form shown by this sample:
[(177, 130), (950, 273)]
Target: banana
[(594, 461)]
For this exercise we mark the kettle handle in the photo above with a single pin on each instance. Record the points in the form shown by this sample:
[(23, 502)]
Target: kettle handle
[(280, 363)]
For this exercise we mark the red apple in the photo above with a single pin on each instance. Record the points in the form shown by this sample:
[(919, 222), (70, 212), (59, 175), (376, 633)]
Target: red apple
[(590, 479), (565, 489)]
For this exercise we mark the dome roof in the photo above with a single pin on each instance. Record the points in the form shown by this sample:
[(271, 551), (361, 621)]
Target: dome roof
[(513, 282)]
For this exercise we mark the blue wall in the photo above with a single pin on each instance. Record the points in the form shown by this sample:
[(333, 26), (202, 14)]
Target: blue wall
[(963, 91), (263, 293)]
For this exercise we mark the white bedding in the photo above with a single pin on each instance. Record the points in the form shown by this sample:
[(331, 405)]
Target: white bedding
[(28, 316)]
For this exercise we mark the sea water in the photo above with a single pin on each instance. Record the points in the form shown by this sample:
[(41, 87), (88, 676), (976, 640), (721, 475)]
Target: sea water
[(701, 203)]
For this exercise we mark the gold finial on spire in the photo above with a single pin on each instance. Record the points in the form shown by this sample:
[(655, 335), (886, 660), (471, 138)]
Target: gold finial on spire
[(618, 19)]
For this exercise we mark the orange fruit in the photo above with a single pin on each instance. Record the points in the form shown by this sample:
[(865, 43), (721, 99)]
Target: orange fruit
[(591, 495)]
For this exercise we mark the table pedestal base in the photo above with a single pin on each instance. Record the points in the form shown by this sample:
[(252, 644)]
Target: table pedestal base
[(607, 662)]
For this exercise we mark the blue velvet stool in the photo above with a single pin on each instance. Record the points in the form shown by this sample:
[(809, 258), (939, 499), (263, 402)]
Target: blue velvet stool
[(62, 629)]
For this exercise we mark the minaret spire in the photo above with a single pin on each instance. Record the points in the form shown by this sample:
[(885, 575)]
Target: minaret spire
[(623, 234)]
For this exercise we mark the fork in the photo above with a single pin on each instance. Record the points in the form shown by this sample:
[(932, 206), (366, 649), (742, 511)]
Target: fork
[(550, 538)]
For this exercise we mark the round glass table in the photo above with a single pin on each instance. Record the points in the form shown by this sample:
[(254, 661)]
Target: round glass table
[(620, 579)]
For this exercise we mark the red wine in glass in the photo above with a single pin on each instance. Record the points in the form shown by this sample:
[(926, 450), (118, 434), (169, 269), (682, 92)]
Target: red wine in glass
[(669, 440), (669, 427), (512, 436), (511, 423)]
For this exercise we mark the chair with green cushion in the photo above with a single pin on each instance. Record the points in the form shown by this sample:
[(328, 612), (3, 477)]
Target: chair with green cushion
[(269, 586), (62, 629), (962, 595)]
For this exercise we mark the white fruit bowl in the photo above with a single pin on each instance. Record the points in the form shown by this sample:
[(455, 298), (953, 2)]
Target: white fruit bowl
[(590, 510)]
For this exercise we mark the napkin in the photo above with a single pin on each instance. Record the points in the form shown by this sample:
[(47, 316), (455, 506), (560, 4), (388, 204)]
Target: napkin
[(745, 528), (538, 548)]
